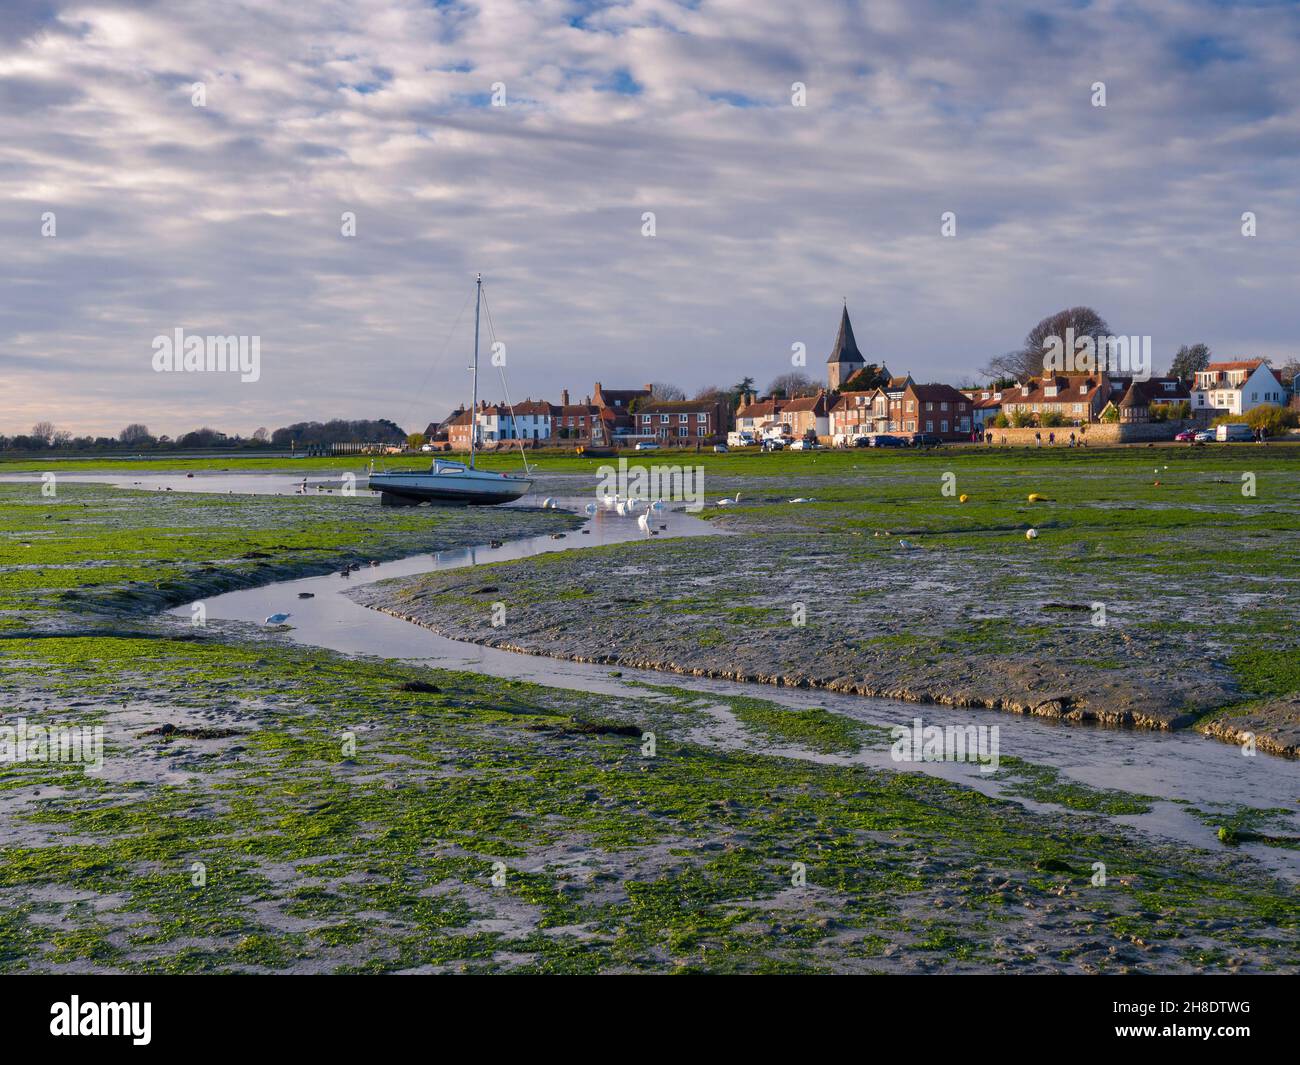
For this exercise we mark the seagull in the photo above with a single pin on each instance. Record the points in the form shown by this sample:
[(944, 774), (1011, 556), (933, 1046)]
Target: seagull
[(905, 545), (277, 619), (621, 509), (802, 499)]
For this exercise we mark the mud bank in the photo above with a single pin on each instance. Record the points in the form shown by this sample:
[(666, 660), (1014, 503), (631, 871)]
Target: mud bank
[(719, 622)]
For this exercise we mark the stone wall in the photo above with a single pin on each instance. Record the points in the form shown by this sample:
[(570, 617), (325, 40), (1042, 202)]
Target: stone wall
[(1097, 434)]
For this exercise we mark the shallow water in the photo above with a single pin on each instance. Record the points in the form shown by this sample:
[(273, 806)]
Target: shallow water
[(1168, 766)]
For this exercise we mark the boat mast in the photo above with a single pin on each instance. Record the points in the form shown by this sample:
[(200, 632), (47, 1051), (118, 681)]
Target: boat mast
[(473, 408)]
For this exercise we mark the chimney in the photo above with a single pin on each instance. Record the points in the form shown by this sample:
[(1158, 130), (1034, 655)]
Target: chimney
[(648, 388), (564, 397)]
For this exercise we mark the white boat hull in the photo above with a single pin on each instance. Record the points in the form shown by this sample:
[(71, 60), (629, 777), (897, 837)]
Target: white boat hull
[(456, 486)]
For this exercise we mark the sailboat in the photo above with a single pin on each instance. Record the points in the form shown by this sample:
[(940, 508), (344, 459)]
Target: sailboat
[(448, 482)]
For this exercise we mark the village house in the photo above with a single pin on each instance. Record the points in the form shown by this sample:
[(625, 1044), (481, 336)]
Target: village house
[(807, 415), (1076, 398), (894, 390), (458, 431), (757, 416), (1236, 387), (584, 422), (938, 410), (986, 404), (682, 423), (616, 406), (855, 414)]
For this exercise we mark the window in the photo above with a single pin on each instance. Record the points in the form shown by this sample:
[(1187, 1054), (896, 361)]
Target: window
[(663, 419), (943, 425), (683, 431), (702, 418), (645, 419), (929, 426), (943, 406), (683, 418), (929, 405)]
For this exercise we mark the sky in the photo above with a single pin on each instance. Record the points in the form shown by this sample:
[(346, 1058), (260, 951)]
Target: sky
[(127, 211)]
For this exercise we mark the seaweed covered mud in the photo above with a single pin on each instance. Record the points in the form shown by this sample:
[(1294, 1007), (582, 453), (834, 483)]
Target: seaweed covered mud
[(261, 807), (1159, 588)]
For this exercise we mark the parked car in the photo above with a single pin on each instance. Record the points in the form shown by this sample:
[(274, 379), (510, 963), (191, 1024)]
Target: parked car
[(773, 444), (721, 449), (1204, 436), (646, 445), (925, 440), (1185, 435), (805, 445), (1234, 431), (885, 440)]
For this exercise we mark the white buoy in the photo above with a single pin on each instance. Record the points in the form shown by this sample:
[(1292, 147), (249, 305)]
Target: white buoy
[(278, 619), (548, 503), (1031, 534)]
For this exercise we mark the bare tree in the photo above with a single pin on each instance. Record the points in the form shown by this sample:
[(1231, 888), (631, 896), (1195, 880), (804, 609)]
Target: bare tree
[(135, 433), (261, 434), (794, 383), (662, 392), (1027, 361), (43, 431)]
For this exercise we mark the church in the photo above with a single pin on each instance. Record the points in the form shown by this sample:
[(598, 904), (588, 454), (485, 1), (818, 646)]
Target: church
[(846, 359)]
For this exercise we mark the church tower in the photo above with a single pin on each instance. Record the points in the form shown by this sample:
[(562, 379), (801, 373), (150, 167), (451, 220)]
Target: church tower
[(846, 359)]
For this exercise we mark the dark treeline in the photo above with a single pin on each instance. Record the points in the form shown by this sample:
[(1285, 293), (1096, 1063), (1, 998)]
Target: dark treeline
[(136, 437)]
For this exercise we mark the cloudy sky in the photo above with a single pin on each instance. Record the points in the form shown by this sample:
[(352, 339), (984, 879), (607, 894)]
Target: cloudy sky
[(226, 218)]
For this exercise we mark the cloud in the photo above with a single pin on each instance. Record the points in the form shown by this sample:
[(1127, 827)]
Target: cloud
[(226, 218)]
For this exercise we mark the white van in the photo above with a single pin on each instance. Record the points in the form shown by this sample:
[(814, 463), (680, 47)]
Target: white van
[(1230, 431)]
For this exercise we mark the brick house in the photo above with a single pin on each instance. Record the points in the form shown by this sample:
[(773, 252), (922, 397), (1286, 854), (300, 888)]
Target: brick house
[(458, 430), (583, 422), (683, 423), (857, 413), (936, 409)]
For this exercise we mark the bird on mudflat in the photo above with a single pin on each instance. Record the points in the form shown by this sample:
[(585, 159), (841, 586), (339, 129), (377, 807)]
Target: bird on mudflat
[(277, 619)]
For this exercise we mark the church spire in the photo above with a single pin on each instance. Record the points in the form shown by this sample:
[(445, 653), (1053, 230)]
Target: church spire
[(846, 348)]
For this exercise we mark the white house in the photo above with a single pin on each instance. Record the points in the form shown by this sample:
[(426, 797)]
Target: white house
[(531, 420), (1236, 387)]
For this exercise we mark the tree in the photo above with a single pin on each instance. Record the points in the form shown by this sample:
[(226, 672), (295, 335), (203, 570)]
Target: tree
[(661, 392), (1190, 359), (1286, 373), (415, 441), (1027, 361), (793, 383), (868, 378), (44, 432), (135, 434), (712, 393), (261, 435)]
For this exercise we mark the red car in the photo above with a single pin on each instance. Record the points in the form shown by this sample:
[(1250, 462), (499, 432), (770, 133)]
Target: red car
[(1186, 435)]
